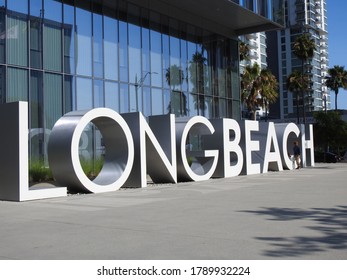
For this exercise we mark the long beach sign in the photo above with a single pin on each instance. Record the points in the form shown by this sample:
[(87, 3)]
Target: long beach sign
[(135, 148)]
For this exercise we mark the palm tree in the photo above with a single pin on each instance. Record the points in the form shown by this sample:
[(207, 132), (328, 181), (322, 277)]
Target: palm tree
[(174, 76), (250, 87), (268, 88), (337, 79), (297, 83), (304, 48), (244, 51)]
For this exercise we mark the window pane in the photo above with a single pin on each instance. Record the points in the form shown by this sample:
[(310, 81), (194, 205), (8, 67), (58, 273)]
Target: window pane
[(17, 41), (69, 40), (2, 38), (123, 51), (52, 99), (124, 98), (52, 48), (166, 60), (193, 107), (18, 6), (146, 101), (84, 94), (97, 45), (53, 10), (145, 56), (17, 85), (2, 84), (111, 96), (36, 99), (157, 102), (69, 94), (37, 146), (36, 43), (156, 58), (111, 48), (98, 94), (36, 8), (134, 53), (84, 42)]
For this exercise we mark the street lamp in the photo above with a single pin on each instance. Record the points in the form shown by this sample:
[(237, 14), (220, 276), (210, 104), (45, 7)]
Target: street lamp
[(138, 84)]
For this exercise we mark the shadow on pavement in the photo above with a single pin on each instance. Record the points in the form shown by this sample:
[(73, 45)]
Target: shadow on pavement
[(329, 224)]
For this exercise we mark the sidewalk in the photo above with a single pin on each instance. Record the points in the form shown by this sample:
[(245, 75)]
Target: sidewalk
[(299, 214)]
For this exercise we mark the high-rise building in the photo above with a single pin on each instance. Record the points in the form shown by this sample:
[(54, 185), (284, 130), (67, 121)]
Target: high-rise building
[(302, 16), (155, 57)]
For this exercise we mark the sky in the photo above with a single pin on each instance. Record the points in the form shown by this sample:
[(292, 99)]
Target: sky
[(337, 40)]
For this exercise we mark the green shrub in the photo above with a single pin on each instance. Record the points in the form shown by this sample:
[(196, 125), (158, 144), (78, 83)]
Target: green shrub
[(38, 172), (92, 168)]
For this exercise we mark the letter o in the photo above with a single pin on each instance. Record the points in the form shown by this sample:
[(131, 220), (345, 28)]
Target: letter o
[(63, 150)]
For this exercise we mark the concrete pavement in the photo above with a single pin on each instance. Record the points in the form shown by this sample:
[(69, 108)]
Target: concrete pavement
[(300, 214)]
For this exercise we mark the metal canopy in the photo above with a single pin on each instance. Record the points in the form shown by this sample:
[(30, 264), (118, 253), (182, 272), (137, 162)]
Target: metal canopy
[(220, 16)]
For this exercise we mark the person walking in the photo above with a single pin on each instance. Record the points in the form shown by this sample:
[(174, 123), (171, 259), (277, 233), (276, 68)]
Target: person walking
[(297, 154)]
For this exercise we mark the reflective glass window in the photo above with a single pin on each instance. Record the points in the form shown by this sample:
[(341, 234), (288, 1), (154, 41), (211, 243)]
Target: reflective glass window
[(18, 6), (17, 85), (157, 102), (69, 94), (124, 98), (98, 94), (134, 44), (36, 99), (184, 65), (145, 56), (2, 84), (97, 46), (146, 91), (53, 10), (168, 105), (193, 105), (166, 60), (123, 51), (36, 8), (36, 42), (69, 39), (2, 38), (134, 53), (17, 40), (207, 69), (112, 96), (111, 48), (135, 101), (156, 50), (84, 42), (192, 62), (84, 94), (208, 107), (156, 58), (36, 135), (52, 46), (52, 98)]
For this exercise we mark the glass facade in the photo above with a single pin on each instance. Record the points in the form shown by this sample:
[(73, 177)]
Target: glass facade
[(70, 55)]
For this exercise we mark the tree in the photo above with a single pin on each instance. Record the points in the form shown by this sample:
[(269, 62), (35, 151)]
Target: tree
[(336, 79), (250, 86), (330, 131), (304, 48), (174, 76), (244, 51), (297, 83), (258, 88), (199, 78), (268, 88)]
